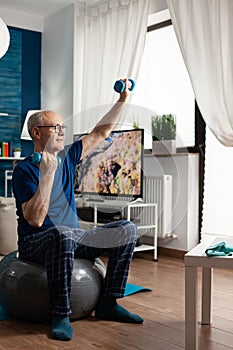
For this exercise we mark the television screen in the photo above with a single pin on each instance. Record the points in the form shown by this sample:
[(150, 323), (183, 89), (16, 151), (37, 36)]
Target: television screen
[(114, 167)]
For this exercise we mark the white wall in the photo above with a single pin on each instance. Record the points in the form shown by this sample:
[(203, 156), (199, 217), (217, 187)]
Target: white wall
[(22, 20), (57, 66), (185, 196), (157, 5), (218, 188)]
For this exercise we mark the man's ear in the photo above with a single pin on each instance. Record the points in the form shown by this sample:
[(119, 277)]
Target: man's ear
[(36, 133)]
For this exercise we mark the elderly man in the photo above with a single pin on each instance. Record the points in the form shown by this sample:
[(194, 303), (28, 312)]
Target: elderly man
[(48, 227)]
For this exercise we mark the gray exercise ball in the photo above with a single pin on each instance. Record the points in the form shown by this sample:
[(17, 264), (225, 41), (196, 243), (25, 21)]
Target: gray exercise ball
[(24, 292)]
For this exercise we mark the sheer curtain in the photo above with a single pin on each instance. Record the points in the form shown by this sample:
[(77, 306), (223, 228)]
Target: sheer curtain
[(110, 40), (204, 31)]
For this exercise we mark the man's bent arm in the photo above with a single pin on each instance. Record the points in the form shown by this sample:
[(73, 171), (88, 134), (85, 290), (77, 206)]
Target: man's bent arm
[(36, 209)]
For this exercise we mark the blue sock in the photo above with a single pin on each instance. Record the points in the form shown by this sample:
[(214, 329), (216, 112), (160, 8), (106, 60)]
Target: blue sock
[(61, 328), (108, 309)]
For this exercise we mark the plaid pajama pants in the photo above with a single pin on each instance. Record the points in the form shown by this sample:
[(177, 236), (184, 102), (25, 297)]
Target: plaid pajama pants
[(58, 246)]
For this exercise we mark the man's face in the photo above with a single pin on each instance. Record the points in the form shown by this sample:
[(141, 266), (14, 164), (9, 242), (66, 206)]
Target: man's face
[(51, 139)]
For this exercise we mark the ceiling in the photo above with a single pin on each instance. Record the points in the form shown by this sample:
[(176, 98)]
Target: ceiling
[(41, 8)]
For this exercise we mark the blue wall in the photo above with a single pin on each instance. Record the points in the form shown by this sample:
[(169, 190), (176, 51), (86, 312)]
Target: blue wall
[(11, 91), (31, 78), (20, 72)]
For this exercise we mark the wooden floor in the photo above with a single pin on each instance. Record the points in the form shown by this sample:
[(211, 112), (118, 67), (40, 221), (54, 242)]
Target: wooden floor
[(162, 310)]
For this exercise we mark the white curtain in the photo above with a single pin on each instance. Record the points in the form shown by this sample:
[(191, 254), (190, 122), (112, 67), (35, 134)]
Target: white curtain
[(204, 30), (110, 39)]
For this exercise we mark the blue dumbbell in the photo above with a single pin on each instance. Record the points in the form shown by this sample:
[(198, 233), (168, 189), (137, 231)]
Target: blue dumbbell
[(36, 158), (119, 85)]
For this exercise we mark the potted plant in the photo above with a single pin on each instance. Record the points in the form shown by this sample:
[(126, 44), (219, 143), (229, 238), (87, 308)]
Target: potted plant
[(16, 152), (136, 123), (163, 134)]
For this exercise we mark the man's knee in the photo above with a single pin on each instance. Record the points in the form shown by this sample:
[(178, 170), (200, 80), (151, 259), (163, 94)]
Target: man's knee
[(128, 232), (131, 228)]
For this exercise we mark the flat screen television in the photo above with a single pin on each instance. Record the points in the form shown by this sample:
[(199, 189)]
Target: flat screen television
[(114, 167)]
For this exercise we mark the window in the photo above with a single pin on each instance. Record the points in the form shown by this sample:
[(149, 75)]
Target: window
[(163, 85)]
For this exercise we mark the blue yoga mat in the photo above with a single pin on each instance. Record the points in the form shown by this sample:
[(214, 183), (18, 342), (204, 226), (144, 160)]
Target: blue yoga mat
[(4, 315), (133, 288), (130, 289)]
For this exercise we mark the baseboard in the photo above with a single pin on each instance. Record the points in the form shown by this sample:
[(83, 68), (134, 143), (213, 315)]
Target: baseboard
[(175, 253), (149, 255), (164, 251)]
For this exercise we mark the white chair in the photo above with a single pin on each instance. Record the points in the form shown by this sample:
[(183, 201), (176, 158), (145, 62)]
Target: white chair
[(194, 259), (8, 177)]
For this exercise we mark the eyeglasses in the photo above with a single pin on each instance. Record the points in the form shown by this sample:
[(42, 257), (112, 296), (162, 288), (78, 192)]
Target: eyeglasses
[(56, 128)]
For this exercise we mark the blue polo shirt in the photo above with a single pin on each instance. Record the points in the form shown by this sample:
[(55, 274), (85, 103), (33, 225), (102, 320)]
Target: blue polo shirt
[(62, 209)]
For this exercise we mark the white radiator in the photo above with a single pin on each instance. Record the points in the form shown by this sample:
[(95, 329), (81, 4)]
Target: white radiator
[(158, 189)]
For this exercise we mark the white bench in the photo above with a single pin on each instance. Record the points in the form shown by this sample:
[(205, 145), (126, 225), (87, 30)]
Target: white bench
[(193, 259)]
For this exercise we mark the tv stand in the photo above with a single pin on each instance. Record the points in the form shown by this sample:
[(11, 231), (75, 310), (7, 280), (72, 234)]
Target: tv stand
[(144, 215)]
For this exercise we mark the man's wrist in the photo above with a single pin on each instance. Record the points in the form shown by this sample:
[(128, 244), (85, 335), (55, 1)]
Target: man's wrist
[(122, 99)]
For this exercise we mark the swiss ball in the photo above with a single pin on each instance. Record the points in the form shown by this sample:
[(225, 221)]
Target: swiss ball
[(24, 292)]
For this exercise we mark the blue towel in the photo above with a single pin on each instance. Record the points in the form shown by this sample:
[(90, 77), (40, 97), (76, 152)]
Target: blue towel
[(219, 249)]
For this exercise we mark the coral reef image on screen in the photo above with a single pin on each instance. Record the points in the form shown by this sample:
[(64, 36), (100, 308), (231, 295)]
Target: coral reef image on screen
[(114, 167)]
